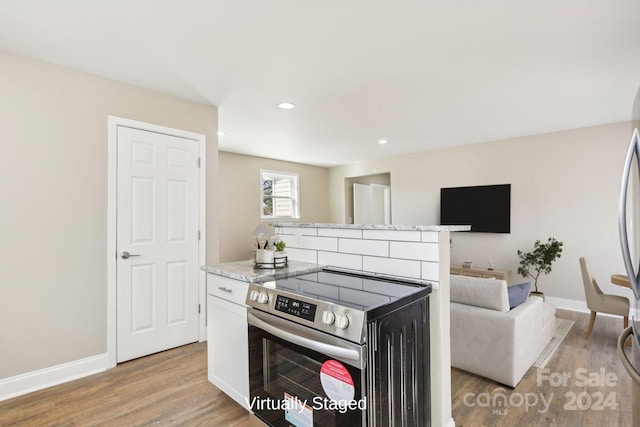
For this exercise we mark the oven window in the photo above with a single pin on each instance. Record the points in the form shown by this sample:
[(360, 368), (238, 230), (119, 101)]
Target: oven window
[(282, 371), (291, 372)]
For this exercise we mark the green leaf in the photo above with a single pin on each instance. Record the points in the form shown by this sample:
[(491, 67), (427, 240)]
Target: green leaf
[(538, 261)]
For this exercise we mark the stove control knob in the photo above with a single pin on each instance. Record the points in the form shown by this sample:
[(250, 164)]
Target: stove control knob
[(253, 295), (328, 317), (342, 321), (263, 297)]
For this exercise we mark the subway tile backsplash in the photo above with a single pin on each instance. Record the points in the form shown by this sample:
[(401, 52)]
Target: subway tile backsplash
[(340, 232), (306, 231), (311, 242), (430, 271), (407, 236), (337, 259), (430, 236), (364, 247), (303, 255), (410, 254), (417, 251), (392, 266)]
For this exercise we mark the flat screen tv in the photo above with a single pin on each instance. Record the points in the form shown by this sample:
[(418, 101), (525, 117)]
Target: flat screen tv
[(486, 208)]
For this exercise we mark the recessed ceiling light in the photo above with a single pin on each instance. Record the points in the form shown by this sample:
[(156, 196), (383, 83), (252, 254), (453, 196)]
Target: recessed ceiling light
[(287, 105), (382, 141), (220, 133)]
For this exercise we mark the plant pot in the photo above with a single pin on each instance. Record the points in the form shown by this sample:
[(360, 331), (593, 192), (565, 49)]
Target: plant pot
[(280, 259), (537, 294)]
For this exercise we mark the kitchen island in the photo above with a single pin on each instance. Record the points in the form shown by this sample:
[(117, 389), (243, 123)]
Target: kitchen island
[(414, 252), (411, 252), (227, 343)]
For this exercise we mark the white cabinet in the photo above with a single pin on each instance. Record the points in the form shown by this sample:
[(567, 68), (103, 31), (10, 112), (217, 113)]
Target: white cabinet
[(227, 341)]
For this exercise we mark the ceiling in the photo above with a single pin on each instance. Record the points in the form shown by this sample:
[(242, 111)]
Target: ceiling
[(420, 74)]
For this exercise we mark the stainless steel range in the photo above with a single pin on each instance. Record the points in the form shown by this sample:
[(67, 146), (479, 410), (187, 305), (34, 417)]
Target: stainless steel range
[(339, 348)]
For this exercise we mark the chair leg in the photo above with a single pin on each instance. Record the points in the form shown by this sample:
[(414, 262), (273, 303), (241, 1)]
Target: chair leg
[(592, 320), (626, 323)]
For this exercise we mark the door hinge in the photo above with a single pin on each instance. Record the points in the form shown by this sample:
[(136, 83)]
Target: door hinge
[(198, 308), (198, 161), (198, 234)]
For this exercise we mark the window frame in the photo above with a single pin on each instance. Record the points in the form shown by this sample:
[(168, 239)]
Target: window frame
[(295, 198)]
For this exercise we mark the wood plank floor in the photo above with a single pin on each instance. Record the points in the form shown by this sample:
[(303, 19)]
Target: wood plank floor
[(164, 389), (599, 402), (171, 388)]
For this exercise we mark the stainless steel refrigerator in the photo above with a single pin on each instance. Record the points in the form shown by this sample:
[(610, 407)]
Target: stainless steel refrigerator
[(629, 226)]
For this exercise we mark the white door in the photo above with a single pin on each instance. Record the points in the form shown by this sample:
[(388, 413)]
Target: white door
[(362, 204), (157, 242), (371, 204)]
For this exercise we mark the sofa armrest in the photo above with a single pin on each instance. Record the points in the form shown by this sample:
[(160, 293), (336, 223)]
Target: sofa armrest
[(497, 345)]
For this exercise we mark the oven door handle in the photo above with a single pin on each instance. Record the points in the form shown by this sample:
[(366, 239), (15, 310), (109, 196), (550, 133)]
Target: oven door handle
[(320, 347)]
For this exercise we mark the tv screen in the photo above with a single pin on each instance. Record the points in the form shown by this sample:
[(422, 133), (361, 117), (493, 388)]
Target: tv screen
[(486, 208)]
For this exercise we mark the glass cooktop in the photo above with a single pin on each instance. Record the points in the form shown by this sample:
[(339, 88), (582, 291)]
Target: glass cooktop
[(356, 291)]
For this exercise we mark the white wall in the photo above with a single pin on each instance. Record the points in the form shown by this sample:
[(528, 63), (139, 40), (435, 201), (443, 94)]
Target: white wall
[(53, 204), (563, 184), (239, 199)]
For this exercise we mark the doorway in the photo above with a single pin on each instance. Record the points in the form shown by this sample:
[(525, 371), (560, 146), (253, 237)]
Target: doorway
[(155, 229), (371, 204), (368, 199)]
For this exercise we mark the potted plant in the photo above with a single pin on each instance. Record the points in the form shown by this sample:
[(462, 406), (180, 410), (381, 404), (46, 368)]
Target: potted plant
[(280, 256), (538, 261)]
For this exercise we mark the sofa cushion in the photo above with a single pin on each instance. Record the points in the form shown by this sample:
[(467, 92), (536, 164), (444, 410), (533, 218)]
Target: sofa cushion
[(479, 292), (518, 294)]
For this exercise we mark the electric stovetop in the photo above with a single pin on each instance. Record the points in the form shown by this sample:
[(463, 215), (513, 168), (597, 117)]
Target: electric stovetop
[(338, 302), (349, 289)]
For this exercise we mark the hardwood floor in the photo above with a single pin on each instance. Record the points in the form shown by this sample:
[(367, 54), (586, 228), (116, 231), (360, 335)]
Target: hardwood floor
[(168, 388), (584, 384), (171, 388)]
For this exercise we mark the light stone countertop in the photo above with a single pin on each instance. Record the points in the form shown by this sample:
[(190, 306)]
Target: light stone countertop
[(246, 272), (375, 227)]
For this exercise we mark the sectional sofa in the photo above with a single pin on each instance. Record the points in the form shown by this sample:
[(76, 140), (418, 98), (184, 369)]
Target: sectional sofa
[(492, 337)]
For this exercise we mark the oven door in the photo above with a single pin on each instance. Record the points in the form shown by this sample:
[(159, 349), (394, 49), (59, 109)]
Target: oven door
[(302, 377)]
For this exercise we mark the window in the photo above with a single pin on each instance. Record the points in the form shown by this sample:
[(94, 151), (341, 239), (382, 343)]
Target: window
[(279, 195)]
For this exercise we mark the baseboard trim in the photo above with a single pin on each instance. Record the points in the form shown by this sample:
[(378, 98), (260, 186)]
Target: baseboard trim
[(574, 305), (569, 304), (54, 375)]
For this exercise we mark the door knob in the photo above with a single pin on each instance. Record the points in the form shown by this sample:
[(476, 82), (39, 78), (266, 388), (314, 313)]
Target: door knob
[(125, 255)]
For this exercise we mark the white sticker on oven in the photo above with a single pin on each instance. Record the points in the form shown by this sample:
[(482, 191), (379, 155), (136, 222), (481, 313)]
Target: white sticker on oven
[(297, 412), (337, 382)]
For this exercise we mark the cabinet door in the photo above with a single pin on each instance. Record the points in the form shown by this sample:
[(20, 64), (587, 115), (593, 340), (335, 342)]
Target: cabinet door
[(228, 348), (226, 288)]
